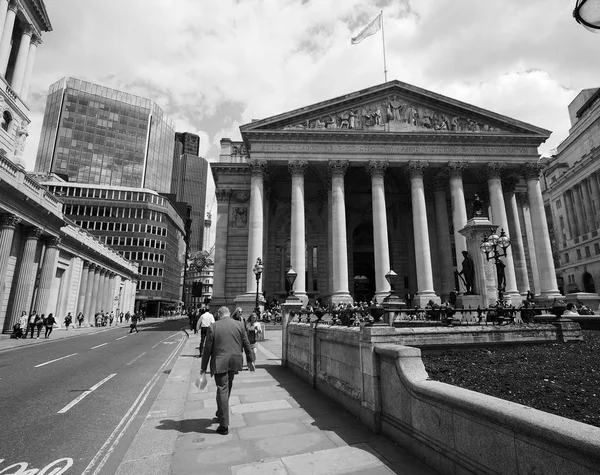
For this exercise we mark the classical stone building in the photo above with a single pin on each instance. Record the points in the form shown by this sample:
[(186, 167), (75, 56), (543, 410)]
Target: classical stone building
[(345, 190), (50, 265), (572, 195)]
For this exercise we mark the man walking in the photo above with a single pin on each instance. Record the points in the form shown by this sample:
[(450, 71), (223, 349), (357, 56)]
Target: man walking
[(133, 326), (204, 322), (223, 348)]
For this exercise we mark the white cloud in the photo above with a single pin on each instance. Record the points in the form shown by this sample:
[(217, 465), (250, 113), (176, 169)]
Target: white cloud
[(215, 65)]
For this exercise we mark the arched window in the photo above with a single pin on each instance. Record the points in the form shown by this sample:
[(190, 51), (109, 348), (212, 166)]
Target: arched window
[(6, 120)]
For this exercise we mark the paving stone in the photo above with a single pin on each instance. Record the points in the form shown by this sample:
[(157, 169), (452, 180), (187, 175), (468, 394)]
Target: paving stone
[(391, 451), (266, 417), (210, 458), (147, 466), (196, 440), (151, 441), (333, 461), (292, 444), (260, 406), (167, 408), (265, 396), (233, 400), (271, 430), (271, 467)]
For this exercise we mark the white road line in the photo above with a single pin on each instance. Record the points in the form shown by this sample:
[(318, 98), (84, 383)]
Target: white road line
[(84, 394), (52, 361), (98, 346), (115, 437), (174, 334), (121, 337), (136, 358)]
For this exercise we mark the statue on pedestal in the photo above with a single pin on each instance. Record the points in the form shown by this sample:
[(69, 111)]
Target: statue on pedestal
[(477, 207), (468, 272)]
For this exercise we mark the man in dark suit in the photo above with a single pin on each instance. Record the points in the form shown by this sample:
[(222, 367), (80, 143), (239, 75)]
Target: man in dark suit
[(223, 348)]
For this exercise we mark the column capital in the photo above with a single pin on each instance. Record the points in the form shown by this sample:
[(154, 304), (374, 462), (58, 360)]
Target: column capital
[(416, 169), (494, 170), (531, 171), (36, 40), (258, 168), (455, 168), (33, 232), (297, 167), (223, 194), (338, 167), (96, 268), (52, 241), (377, 168), (13, 5), (86, 265), (9, 221), (103, 271), (509, 182), (27, 29)]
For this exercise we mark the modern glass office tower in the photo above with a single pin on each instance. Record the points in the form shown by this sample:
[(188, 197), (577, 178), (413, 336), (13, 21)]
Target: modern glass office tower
[(96, 135)]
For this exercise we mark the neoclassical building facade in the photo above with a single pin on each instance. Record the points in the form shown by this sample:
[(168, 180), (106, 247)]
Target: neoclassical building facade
[(348, 189)]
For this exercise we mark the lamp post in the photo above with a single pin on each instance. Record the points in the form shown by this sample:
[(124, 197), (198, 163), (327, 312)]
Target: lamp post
[(494, 247), (290, 276), (258, 270), (587, 14), (392, 303)]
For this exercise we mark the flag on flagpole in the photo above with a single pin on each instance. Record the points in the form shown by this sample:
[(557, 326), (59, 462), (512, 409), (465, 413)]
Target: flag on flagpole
[(368, 30)]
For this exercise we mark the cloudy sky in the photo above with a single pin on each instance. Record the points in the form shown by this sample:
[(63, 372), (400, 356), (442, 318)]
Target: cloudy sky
[(216, 64)]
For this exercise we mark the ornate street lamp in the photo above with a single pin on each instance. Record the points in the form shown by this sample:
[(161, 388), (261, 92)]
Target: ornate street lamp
[(392, 303), (258, 270), (290, 276), (494, 247), (587, 14)]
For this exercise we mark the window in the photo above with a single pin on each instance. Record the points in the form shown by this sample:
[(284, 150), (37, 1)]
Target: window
[(578, 254), (587, 251), (597, 248), (562, 222), (6, 120), (566, 258), (558, 204)]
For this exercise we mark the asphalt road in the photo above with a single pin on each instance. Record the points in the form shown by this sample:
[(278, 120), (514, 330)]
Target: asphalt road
[(81, 398)]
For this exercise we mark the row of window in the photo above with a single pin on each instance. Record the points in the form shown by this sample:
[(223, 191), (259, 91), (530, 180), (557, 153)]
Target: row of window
[(107, 194), (588, 253), (149, 285), (133, 242), (113, 212), (110, 226), (142, 256), (155, 271)]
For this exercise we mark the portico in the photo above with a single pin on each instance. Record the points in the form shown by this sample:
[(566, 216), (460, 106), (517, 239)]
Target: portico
[(381, 179)]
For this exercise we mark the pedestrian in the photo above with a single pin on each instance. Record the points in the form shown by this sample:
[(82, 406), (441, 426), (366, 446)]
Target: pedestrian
[(68, 321), (31, 323), (204, 322), (238, 314), (127, 316), (133, 325), (39, 323), (121, 317), (80, 318), (224, 343), (111, 317), (49, 322), (254, 330), (23, 324)]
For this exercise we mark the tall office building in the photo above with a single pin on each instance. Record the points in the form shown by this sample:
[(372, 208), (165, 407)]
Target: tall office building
[(96, 135), (190, 142)]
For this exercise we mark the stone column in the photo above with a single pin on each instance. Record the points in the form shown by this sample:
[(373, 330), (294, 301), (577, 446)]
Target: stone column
[(376, 169), (3, 12), (310, 270), (514, 232), (444, 244), (23, 281), (425, 290), (101, 290), (329, 237), (21, 62), (255, 223), (459, 208), (501, 220), (578, 204), (526, 216), (95, 291), (338, 227), (47, 274), (24, 93), (297, 169), (570, 213), (596, 197), (282, 270), (587, 203), (82, 288), (8, 223), (110, 298), (543, 251), (89, 293), (5, 41), (220, 268)]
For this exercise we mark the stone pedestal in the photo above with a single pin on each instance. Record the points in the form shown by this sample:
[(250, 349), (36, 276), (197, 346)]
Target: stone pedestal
[(485, 272), (286, 309)]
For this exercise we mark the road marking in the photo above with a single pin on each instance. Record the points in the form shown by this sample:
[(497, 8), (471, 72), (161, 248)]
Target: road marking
[(171, 336), (98, 346), (122, 337), (136, 358), (52, 361), (115, 437), (84, 394)]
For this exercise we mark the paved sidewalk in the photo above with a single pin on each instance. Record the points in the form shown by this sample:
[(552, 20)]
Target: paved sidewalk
[(7, 343), (278, 425)]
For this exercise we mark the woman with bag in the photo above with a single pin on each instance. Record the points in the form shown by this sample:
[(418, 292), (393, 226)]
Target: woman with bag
[(50, 321), (254, 330), (39, 323)]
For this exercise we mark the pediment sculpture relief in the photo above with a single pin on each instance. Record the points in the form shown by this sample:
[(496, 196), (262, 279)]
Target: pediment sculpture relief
[(393, 115)]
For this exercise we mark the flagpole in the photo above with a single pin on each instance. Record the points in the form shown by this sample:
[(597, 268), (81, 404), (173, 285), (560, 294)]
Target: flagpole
[(383, 40)]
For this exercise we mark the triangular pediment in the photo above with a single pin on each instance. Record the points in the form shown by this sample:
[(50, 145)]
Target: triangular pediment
[(395, 107)]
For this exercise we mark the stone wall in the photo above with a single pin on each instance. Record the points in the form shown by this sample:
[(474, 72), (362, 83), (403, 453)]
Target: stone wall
[(375, 377)]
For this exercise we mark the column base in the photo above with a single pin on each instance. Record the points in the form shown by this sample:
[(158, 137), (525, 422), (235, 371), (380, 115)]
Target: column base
[(341, 297), (381, 295), (422, 298), (513, 298), (302, 296)]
